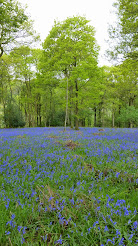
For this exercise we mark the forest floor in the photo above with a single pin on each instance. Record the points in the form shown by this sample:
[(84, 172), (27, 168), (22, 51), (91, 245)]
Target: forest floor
[(68, 187)]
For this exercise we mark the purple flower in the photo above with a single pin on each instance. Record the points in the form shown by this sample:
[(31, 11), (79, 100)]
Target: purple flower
[(135, 225), (19, 228), (121, 241), (126, 211), (59, 240), (22, 240), (23, 231), (13, 216), (106, 229)]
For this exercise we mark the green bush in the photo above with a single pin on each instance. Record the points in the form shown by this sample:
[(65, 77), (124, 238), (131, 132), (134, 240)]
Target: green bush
[(128, 115), (13, 116)]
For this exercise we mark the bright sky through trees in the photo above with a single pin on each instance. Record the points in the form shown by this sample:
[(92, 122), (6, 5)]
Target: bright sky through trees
[(99, 12)]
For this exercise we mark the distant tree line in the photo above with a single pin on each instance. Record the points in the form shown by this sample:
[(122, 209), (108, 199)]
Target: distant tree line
[(62, 84)]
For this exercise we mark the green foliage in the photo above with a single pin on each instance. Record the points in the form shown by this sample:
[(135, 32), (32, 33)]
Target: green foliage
[(13, 116), (128, 116), (70, 54), (14, 24), (125, 32), (62, 84)]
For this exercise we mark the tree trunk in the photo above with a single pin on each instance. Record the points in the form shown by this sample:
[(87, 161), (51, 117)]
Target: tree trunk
[(113, 119), (130, 104), (50, 115), (1, 51), (76, 107), (119, 115), (99, 118), (38, 110), (71, 108), (95, 117), (66, 115)]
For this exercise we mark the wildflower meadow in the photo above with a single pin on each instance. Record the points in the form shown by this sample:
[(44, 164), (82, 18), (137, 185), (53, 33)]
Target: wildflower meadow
[(68, 187)]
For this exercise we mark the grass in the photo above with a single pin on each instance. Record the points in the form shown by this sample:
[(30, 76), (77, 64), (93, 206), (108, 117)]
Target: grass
[(68, 188)]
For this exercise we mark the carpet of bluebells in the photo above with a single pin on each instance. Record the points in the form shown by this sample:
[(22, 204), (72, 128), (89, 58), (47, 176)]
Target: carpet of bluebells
[(68, 187)]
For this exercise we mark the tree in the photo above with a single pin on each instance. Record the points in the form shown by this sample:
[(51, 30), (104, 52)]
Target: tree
[(125, 34), (70, 52), (13, 116), (122, 91), (6, 87), (14, 24), (24, 63), (128, 116), (125, 38)]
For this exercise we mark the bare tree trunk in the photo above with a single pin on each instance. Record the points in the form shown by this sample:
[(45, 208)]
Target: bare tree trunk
[(119, 111), (66, 115), (100, 115), (71, 107), (113, 119), (95, 117), (130, 104), (50, 116), (76, 107), (1, 51)]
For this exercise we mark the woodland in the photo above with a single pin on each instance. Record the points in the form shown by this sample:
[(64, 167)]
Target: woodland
[(69, 136), (61, 83)]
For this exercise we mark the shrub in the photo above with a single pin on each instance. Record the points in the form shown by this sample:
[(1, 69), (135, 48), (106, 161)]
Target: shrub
[(13, 116)]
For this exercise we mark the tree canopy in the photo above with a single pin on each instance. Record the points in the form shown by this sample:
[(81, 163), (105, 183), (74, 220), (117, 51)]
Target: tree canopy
[(125, 33), (14, 24), (71, 52), (61, 83)]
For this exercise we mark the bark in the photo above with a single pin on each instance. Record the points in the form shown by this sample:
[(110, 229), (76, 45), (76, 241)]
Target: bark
[(76, 103), (71, 108), (50, 115), (38, 110), (119, 115), (76, 107), (1, 51), (100, 121), (66, 115), (130, 104), (113, 119), (95, 117)]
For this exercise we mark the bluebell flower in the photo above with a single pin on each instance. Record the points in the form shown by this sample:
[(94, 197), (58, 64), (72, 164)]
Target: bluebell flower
[(44, 238), (95, 223), (135, 225), (24, 230), (121, 241), (126, 211), (22, 240), (13, 216), (118, 233), (130, 236), (7, 205), (89, 229), (50, 198), (59, 240), (19, 228), (106, 229)]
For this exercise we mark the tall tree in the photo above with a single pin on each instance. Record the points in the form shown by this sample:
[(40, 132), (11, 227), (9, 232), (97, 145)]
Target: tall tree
[(23, 62), (71, 51)]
